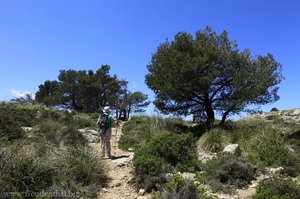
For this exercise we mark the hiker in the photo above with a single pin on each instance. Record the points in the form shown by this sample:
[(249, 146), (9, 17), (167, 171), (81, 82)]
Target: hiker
[(105, 122)]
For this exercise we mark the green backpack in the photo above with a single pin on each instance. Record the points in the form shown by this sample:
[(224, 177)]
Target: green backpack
[(103, 122)]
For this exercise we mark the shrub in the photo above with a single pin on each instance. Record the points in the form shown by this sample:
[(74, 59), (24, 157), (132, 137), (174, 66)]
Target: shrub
[(78, 170), (263, 141), (136, 132), (213, 140), (140, 129), (71, 136), (49, 114), (149, 171), (175, 125), (274, 110), (178, 188), (293, 139), (174, 149), (272, 117), (9, 128), (51, 132), (269, 147), (52, 158), (164, 153), (23, 171), (24, 115), (277, 187), (275, 155), (84, 120), (244, 133), (59, 134), (236, 172), (227, 172), (84, 165)]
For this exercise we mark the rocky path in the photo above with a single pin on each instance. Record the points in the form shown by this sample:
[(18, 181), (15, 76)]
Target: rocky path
[(119, 170)]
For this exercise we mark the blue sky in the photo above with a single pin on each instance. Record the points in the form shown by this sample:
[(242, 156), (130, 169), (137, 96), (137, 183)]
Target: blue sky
[(39, 38)]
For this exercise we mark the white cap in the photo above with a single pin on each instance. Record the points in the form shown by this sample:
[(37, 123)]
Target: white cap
[(106, 109)]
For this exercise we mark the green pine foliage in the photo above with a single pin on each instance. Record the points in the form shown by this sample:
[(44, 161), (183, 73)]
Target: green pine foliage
[(206, 72)]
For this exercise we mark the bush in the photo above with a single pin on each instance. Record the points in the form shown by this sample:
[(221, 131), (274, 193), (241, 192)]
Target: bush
[(53, 158), (58, 134), (140, 129), (178, 188), (84, 120), (272, 117), (77, 170), (263, 142), (136, 132), (236, 172), (175, 125), (9, 128), (269, 148), (149, 171), (166, 152), (83, 165), (275, 155), (52, 115), (213, 140), (51, 132), (274, 110), (24, 115), (244, 133), (72, 137), (23, 171), (227, 172), (277, 187)]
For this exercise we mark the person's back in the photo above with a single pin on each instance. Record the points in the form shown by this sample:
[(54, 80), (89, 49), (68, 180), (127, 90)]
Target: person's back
[(104, 122)]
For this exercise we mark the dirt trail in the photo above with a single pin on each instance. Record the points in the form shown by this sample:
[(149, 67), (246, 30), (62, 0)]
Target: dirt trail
[(119, 170)]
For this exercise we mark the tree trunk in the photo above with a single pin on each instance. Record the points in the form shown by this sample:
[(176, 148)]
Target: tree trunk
[(210, 114), (117, 113), (125, 114), (224, 116), (210, 118), (129, 110), (128, 114)]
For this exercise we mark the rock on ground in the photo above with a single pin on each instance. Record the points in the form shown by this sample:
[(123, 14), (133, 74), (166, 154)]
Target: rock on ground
[(27, 129), (231, 148), (90, 135)]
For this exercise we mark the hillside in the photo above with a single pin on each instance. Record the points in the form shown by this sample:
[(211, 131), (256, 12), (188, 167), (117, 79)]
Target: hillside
[(255, 157), (292, 116), (50, 152), (43, 155)]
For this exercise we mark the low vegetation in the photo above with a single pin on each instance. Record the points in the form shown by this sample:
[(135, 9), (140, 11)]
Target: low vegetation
[(177, 187), (51, 158), (165, 147), (140, 130), (165, 153), (227, 172), (54, 156), (278, 187)]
